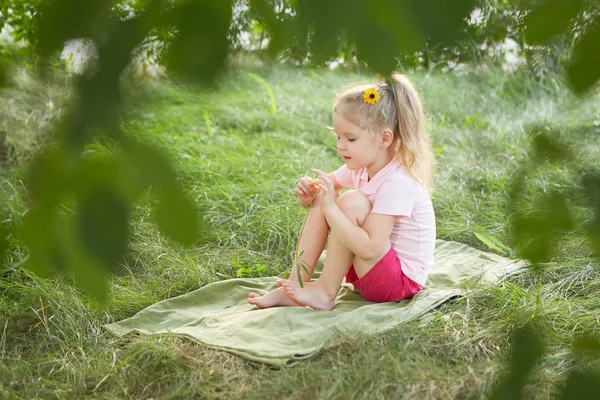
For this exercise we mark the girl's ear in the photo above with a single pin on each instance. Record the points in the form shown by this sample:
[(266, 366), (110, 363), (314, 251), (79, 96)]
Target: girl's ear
[(387, 138)]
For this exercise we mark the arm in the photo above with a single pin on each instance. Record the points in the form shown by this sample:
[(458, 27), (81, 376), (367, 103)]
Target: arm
[(366, 241)]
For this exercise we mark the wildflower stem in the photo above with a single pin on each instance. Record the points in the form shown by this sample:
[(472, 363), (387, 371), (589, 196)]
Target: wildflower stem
[(297, 262)]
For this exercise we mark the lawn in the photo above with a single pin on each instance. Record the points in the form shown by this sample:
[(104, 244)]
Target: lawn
[(239, 151)]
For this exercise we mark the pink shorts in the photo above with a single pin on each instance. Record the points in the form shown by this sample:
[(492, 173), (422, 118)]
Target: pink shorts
[(385, 281)]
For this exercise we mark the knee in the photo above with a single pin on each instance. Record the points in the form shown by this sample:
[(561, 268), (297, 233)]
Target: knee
[(355, 205)]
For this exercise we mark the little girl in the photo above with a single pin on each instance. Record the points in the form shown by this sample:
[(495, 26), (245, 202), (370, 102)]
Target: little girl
[(382, 232)]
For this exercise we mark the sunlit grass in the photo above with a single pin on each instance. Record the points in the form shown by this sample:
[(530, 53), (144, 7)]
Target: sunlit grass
[(240, 161)]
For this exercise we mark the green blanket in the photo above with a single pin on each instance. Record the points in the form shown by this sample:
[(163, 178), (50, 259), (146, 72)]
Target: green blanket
[(219, 316)]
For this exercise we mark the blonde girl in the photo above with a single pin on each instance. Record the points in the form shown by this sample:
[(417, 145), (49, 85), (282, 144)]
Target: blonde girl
[(382, 232)]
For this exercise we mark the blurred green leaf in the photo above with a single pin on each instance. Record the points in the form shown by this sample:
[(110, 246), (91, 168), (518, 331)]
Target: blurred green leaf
[(550, 19), (325, 43), (4, 234), (265, 12), (284, 29), (151, 165), (327, 21), (526, 351), (587, 345), (47, 179), (591, 183), (366, 33), (176, 214), (581, 385), (584, 71), (380, 30), (384, 30), (68, 19), (534, 232), (87, 271), (3, 76), (441, 21), (86, 243), (46, 182), (200, 47), (102, 224), (39, 234), (546, 148), (96, 113)]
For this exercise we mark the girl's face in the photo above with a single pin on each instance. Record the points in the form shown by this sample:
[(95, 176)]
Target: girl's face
[(355, 145)]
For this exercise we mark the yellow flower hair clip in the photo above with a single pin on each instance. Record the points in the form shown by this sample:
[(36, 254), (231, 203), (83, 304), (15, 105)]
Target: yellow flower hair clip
[(371, 96)]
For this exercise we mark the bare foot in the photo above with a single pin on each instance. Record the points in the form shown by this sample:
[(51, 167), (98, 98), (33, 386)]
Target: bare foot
[(275, 298), (311, 294)]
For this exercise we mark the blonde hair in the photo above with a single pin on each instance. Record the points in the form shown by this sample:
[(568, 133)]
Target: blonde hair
[(399, 109)]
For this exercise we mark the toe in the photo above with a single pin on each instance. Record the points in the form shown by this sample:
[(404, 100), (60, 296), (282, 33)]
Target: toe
[(252, 295)]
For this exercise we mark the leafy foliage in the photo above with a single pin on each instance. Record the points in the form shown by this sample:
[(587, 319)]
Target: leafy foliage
[(80, 202), (230, 149), (527, 351)]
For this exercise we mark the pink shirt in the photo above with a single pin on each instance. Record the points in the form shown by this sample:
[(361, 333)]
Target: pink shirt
[(393, 191)]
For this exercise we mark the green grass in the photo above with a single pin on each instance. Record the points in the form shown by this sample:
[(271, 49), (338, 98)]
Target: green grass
[(240, 160)]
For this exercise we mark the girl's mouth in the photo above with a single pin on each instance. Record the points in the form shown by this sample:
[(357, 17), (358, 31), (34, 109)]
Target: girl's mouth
[(345, 158)]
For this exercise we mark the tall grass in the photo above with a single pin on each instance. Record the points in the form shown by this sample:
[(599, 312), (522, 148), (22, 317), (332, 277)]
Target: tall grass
[(240, 160)]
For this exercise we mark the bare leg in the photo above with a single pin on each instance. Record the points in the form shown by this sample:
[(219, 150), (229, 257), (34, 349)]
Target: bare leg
[(321, 293), (312, 243)]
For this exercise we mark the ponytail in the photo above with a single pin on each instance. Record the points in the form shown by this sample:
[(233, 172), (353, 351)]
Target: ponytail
[(412, 146)]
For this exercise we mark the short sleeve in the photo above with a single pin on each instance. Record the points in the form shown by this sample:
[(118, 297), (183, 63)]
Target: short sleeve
[(394, 198), (343, 177)]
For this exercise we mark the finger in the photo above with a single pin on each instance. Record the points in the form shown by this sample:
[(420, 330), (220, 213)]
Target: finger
[(319, 173), (304, 187), (323, 176), (323, 188), (305, 194), (314, 187), (315, 183)]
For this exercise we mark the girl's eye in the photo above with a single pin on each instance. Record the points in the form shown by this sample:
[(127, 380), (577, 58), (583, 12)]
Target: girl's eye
[(351, 140)]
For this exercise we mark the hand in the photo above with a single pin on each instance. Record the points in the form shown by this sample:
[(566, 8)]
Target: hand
[(306, 190), (327, 189)]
